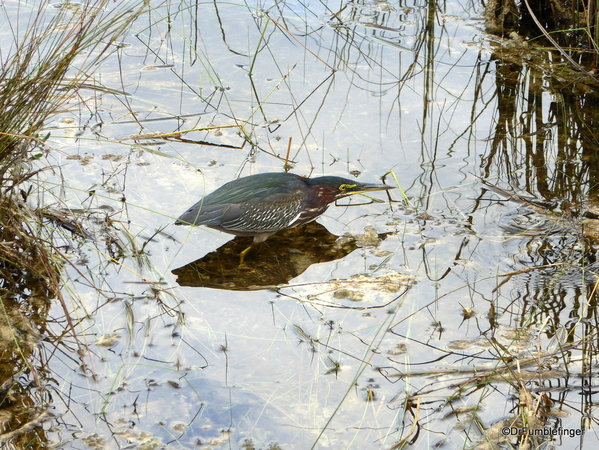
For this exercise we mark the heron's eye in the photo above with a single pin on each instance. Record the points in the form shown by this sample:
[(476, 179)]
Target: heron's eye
[(344, 187)]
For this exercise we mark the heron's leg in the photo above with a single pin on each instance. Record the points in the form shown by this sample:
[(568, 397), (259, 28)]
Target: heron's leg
[(258, 238), (243, 253)]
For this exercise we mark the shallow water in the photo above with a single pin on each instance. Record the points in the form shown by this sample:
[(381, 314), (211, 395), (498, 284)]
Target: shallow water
[(379, 344)]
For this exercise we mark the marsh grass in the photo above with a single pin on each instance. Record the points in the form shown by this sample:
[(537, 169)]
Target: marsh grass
[(571, 28), (53, 52)]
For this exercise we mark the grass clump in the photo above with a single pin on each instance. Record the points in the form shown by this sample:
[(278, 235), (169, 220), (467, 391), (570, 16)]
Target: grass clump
[(53, 52)]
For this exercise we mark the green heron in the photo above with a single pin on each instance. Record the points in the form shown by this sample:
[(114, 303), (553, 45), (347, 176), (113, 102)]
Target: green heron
[(260, 205)]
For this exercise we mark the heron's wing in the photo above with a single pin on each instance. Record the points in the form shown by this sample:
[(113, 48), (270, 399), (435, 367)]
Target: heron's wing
[(204, 214), (275, 212), (256, 188), (250, 199)]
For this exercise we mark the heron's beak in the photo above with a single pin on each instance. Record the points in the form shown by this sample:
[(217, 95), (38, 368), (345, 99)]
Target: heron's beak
[(361, 188)]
